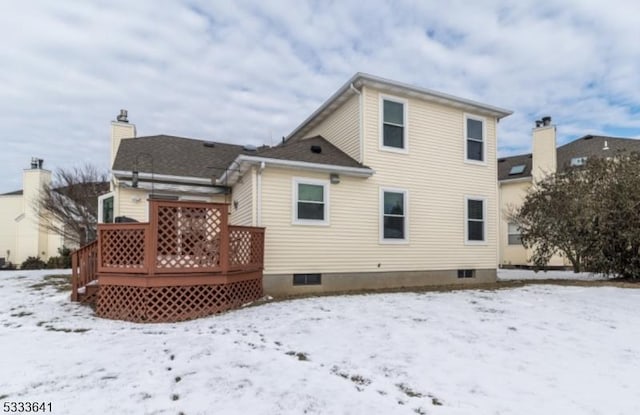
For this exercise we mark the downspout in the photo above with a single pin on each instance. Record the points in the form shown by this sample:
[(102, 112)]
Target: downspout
[(501, 233), (259, 196), (360, 132)]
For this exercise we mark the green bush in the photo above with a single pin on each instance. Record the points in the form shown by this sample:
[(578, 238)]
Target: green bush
[(61, 261), (33, 263)]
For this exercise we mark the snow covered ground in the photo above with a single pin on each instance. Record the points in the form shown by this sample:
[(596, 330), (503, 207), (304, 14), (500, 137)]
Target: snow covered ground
[(524, 274), (538, 349)]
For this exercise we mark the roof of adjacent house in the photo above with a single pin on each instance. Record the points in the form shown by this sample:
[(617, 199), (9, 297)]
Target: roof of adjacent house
[(355, 83), (587, 146), (14, 193), (188, 157)]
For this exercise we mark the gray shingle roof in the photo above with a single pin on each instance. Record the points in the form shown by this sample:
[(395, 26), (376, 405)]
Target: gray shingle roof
[(14, 193), (175, 156), (301, 151), (507, 163), (180, 156), (593, 146), (587, 146)]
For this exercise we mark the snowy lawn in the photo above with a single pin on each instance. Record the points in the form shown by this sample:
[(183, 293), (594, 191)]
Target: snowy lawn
[(532, 350), (524, 274)]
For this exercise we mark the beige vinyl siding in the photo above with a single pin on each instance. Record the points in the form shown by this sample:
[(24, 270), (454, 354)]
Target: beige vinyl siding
[(10, 209), (243, 194), (342, 128), (511, 196), (437, 178), (132, 203), (347, 244)]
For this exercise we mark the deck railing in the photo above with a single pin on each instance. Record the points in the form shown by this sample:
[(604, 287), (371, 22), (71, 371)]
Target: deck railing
[(84, 266), (181, 238), (246, 247)]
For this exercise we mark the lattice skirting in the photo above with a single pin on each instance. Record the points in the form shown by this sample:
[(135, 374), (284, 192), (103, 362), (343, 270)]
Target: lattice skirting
[(171, 304)]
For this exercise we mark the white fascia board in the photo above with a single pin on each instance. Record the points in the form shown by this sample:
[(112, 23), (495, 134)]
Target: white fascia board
[(515, 180), (125, 174), (360, 79), (329, 168)]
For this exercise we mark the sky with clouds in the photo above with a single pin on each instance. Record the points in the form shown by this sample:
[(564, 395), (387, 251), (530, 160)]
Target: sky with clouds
[(249, 72)]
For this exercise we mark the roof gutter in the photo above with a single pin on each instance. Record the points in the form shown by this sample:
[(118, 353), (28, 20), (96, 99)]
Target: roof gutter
[(228, 177), (515, 180), (360, 79), (124, 174)]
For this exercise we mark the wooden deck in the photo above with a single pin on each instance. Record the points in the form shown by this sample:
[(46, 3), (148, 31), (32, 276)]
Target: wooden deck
[(186, 262)]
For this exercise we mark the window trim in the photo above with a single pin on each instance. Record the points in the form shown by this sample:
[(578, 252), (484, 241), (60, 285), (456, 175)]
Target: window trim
[(405, 130), (393, 241), (484, 139), (466, 220), (101, 199), (294, 201)]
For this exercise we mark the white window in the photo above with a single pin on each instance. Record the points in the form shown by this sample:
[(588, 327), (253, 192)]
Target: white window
[(514, 234), (310, 202), (106, 208), (393, 129), (578, 161), (475, 144), (393, 215), (475, 220), (519, 169)]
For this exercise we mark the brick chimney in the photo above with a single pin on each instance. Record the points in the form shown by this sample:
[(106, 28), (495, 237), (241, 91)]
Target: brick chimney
[(544, 149)]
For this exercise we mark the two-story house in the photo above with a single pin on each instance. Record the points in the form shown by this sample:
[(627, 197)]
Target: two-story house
[(517, 174), (23, 231), (385, 185)]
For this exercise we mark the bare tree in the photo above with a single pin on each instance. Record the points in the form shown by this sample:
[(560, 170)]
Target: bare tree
[(69, 207)]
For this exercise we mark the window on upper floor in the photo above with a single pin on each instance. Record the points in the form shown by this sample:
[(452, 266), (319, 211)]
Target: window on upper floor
[(514, 235), (475, 220), (519, 169), (394, 128), (475, 143), (578, 161), (311, 202), (394, 215)]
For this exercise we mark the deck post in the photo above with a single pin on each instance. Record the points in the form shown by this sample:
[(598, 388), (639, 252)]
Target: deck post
[(151, 239), (74, 276), (224, 238)]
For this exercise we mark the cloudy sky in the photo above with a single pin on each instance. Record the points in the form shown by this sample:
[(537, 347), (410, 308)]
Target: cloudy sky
[(249, 72)]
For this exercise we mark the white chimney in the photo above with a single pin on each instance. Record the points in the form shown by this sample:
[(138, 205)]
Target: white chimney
[(544, 149), (121, 128)]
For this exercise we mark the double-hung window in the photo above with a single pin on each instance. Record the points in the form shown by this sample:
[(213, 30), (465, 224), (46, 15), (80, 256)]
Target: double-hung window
[(475, 144), (394, 215), (475, 220), (514, 234), (310, 202), (394, 128)]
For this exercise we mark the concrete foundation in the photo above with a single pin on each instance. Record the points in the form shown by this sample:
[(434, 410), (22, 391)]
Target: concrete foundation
[(279, 285)]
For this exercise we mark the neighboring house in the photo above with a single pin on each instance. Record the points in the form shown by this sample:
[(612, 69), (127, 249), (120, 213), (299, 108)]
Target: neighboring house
[(23, 233), (385, 185), (516, 175)]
